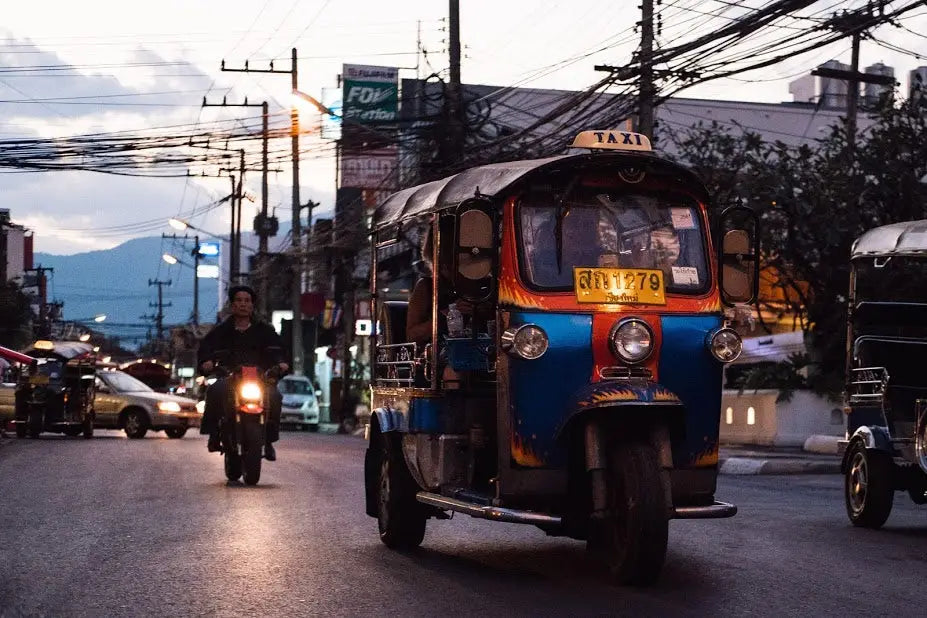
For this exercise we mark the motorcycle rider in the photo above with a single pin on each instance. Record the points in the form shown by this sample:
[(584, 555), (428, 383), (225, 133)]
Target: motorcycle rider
[(241, 340)]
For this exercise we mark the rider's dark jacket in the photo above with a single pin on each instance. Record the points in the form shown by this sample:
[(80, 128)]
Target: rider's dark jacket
[(259, 345)]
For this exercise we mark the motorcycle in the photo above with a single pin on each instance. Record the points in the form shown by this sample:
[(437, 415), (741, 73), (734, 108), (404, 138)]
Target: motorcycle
[(243, 425)]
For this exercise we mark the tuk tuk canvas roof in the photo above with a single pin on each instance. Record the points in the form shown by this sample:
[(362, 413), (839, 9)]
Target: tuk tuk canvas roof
[(450, 191), (906, 238), (493, 179)]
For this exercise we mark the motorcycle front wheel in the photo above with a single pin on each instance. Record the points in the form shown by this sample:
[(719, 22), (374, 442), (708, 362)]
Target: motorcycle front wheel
[(252, 445), (232, 465)]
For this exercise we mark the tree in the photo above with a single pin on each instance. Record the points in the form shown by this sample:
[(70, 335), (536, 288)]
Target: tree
[(813, 202)]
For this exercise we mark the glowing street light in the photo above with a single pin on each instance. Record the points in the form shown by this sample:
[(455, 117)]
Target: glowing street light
[(178, 224), (170, 259), (99, 317)]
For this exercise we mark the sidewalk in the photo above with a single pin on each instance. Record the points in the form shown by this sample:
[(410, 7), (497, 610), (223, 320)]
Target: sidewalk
[(751, 459)]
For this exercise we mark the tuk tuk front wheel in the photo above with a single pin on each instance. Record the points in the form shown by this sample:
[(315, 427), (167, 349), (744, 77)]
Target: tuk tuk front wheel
[(401, 519), (868, 488), (633, 535)]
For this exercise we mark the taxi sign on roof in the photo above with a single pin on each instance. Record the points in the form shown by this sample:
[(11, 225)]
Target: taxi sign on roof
[(612, 140)]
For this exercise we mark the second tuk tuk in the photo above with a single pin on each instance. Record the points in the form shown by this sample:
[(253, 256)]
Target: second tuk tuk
[(886, 385), (569, 374), (55, 394)]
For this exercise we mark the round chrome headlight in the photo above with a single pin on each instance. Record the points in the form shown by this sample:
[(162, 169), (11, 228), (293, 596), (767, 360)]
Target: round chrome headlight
[(631, 340), (725, 345), (527, 341)]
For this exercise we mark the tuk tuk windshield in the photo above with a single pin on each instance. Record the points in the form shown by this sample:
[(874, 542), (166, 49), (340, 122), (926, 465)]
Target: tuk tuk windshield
[(596, 228)]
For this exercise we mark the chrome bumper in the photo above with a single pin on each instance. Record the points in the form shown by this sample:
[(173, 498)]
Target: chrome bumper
[(713, 511), (494, 513)]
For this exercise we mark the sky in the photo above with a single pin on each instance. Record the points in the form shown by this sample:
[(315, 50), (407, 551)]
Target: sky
[(69, 68)]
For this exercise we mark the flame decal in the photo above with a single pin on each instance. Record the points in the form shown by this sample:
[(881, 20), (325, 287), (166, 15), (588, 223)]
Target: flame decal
[(708, 457), (511, 294), (523, 454), (614, 394)]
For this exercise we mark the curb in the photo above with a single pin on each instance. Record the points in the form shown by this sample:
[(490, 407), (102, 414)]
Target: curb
[(742, 466)]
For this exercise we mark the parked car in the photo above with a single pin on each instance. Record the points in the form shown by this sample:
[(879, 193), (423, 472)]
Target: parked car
[(123, 402), (300, 402)]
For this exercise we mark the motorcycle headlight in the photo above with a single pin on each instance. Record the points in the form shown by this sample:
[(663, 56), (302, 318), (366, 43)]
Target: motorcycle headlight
[(631, 340), (527, 341), (725, 344), (250, 391), (169, 406)]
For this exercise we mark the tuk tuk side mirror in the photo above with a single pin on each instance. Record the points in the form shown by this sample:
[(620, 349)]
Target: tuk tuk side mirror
[(738, 260), (475, 250)]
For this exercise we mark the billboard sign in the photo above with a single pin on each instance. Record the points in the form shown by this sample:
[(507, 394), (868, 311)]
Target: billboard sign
[(209, 249), (370, 169), (370, 94), (207, 271)]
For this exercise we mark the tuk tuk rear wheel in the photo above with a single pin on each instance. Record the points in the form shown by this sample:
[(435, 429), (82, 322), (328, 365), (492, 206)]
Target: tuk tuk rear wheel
[(400, 518), (632, 538), (36, 420), (868, 489)]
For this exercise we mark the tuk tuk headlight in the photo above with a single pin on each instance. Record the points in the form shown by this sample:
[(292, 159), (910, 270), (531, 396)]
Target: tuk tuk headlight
[(725, 344), (631, 340), (250, 391), (527, 341)]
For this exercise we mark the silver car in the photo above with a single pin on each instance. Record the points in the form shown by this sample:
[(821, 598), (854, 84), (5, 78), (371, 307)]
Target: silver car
[(123, 402), (300, 402)]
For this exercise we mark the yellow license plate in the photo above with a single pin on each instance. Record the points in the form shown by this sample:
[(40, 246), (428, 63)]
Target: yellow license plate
[(619, 285), (39, 379)]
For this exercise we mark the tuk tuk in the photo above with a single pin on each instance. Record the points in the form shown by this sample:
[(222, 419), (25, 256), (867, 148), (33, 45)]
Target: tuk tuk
[(581, 390), (886, 386), (55, 394)]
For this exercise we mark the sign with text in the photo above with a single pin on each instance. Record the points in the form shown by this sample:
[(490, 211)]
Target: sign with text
[(370, 95), (370, 169)]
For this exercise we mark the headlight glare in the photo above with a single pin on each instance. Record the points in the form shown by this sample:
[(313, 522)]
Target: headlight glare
[(527, 341), (250, 391), (631, 340), (725, 345), (169, 406)]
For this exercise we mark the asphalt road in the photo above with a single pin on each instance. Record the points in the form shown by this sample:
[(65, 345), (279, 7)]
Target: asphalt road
[(118, 527)]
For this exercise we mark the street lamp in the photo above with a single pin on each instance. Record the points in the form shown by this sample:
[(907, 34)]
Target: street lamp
[(170, 259), (99, 317), (178, 224)]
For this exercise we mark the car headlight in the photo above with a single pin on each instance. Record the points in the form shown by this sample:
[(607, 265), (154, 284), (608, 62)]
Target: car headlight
[(631, 340), (250, 391), (725, 344), (527, 341), (169, 406)]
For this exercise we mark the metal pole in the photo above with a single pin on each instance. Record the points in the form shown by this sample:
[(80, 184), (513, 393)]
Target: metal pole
[(262, 261), (233, 273), (853, 96), (645, 105), (196, 280), (454, 89), (296, 287)]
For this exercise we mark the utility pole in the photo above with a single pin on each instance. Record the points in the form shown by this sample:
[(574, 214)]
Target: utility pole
[(195, 316), (854, 23), (262, 225), (455, 98), (296, 288), (645, 105), (159, 318)]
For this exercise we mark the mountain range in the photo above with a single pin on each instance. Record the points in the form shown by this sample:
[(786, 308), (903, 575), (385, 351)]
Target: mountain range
[(116, 282)]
